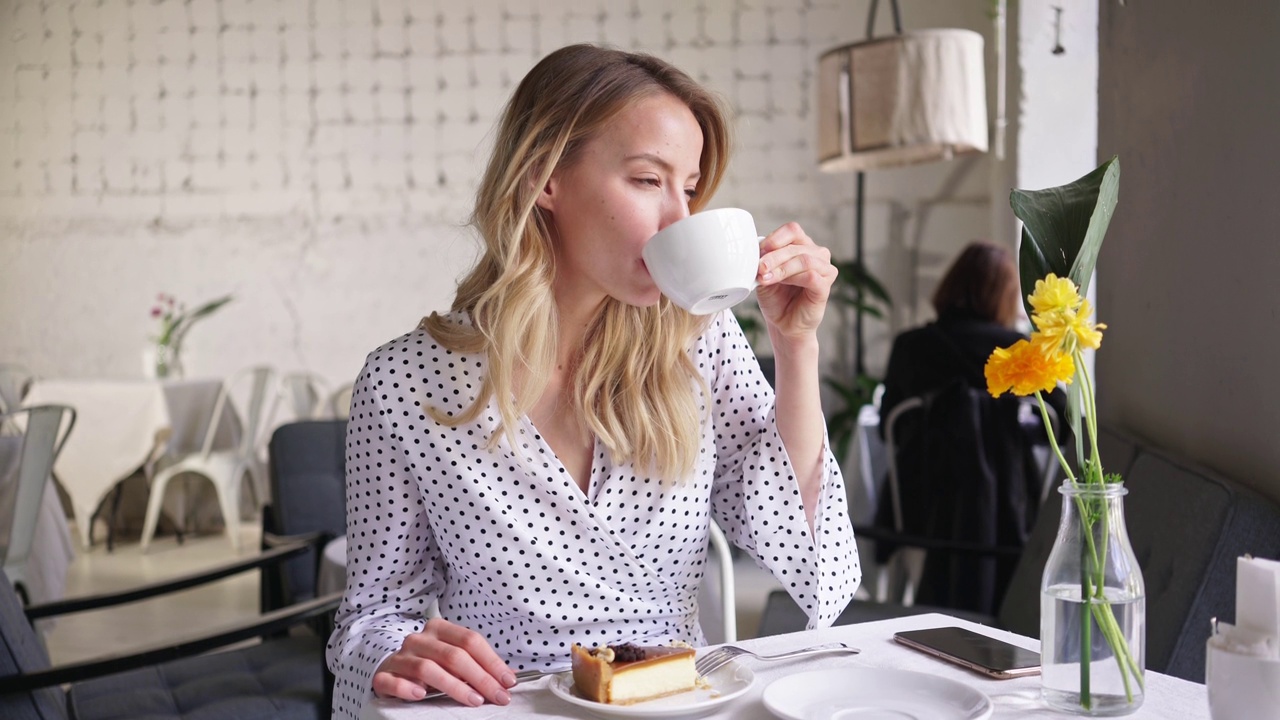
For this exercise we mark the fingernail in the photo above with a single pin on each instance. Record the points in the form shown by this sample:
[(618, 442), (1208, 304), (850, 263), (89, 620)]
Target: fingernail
[(768, 276), (418, 692), (509, 679), (475, 700), (502, 698)]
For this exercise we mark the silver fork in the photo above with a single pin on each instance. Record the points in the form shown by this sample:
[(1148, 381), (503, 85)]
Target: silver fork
[(717, 658), (522, 676)]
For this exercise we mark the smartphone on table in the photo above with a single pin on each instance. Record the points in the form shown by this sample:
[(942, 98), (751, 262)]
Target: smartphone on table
[(980, 653)]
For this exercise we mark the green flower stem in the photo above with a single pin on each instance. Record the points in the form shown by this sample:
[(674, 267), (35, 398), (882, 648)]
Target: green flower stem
[(1053, 439), (1107, 622), (1091, 411), (1086, 629)]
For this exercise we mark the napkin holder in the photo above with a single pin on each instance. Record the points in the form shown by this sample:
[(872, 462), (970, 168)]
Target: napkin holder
[(1242, 663)]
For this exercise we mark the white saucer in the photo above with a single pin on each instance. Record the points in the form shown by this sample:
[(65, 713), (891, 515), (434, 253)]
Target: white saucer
[(726, 684), (856, 693)]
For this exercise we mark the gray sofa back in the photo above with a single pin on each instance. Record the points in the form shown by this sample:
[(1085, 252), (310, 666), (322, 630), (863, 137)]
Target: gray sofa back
[(1187, 526)]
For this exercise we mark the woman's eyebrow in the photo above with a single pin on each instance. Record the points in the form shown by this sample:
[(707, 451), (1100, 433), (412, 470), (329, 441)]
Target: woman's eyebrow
[(660, 162)]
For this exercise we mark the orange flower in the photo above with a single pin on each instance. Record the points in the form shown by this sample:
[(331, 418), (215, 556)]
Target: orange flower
[(1025, 369)]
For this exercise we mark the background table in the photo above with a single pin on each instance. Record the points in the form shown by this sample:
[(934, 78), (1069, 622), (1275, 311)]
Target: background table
[(1168, 698), (333, 567), (118, 424)]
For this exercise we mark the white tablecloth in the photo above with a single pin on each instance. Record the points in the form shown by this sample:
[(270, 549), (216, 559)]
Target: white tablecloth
[(116, 429), (333, 567), (52, 550), (1167, 698)]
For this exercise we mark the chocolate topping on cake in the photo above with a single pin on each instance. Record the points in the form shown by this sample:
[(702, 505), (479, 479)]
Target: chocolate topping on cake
[(626, 652)]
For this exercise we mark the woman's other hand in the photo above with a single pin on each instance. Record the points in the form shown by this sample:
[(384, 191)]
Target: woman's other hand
[(449, 658), (795, 277)]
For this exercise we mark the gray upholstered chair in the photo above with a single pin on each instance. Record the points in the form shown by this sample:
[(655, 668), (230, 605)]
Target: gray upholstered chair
[(281, 678), (307, 469), (1187, 526)]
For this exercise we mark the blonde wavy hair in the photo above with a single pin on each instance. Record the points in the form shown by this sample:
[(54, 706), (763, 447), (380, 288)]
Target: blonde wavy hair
[(634, 385)]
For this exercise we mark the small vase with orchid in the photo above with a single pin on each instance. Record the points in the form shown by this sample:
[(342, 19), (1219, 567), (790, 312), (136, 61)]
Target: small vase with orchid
[(175, 323)]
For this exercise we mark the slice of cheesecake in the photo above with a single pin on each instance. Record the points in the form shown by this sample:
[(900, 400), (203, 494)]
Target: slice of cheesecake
[(627, 674)]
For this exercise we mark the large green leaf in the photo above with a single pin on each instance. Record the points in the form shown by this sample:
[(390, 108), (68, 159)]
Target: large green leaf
[(1063, 226)]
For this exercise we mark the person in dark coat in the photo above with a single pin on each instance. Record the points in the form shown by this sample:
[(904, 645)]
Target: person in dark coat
[(966, 469), (977, 306)]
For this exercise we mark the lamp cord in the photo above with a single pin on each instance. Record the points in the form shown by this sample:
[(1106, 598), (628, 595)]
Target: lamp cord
[(859, 352), (871, 18)]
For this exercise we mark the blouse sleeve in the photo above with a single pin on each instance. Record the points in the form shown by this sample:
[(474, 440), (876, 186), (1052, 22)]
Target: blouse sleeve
[(756, 498), (394, 566)]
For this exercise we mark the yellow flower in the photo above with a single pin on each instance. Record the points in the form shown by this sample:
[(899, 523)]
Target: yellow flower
[(1054, 294), (1067, 330), (1025, 369)]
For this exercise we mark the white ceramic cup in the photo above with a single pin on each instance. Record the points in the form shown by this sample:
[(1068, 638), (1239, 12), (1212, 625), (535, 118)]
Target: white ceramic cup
[(1241, 687), (707, 261)]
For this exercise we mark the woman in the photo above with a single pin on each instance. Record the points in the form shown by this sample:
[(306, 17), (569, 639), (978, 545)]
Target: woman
[(967, 463), (977, 306), (544, 460)]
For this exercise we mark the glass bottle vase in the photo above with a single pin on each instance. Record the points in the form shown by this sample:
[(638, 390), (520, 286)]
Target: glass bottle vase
[(1093, 610), (163, 361)]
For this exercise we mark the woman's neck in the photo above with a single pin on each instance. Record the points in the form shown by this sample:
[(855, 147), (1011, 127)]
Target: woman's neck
[(576, 310)]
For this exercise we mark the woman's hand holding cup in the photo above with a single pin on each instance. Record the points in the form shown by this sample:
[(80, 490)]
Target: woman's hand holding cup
[(712, 260)]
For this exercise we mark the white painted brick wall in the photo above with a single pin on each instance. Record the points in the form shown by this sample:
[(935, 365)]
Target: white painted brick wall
[(318, 158)]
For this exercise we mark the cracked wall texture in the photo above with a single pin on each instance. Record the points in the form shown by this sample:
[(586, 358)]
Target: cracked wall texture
[(317, 158)]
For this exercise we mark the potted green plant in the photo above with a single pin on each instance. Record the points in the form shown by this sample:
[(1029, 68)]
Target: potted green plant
[(855, 292)]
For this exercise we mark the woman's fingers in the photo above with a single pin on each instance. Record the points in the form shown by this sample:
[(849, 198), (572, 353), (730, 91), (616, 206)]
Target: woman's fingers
[(789, 254), (795, 276), (387, 684), (478, 650), (449, 658)]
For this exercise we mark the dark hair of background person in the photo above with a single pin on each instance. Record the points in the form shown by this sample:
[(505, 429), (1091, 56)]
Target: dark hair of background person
[(982, 284)]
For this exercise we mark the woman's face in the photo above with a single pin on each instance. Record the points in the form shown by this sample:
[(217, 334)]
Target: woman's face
[(628, 182)]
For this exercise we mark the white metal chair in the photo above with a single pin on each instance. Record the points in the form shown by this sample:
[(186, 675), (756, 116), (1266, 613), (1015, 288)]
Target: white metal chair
[(43, 435), (897, 579), (226, 469), (717, 603), (14, 381), (304, 395), (340, 401)]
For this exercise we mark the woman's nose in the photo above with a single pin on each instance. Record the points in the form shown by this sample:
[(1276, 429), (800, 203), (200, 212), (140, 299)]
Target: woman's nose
[(674, 210)]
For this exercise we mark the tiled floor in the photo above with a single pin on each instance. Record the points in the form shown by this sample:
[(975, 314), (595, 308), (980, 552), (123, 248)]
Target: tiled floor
[(91, 634), (190, 612)]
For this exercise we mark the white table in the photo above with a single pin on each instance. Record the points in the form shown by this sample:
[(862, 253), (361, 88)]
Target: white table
[(1167, 698), (333, 567), (117, 427)]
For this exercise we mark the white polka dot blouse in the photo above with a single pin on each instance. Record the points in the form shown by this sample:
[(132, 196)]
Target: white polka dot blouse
[(509, 545)]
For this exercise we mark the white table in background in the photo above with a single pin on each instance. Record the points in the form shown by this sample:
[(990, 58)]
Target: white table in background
[(117, 423), (1167, 698), (333, 567)]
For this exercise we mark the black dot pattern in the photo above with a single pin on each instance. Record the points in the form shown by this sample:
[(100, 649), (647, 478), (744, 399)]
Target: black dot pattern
[(510, 546)]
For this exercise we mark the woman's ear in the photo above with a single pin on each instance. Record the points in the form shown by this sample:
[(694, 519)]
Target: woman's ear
[(548, 194)]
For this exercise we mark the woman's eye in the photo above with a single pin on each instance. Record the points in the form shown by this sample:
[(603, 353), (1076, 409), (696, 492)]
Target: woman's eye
[(649, 181), (691, 193)]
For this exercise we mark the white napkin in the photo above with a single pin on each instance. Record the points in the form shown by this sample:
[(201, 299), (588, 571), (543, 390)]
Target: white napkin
[(1257, 607)]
